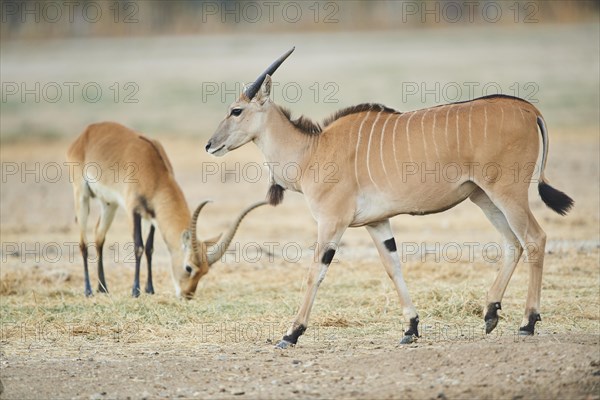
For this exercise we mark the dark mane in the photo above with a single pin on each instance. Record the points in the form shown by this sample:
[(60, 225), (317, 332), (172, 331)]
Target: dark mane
[(357, 109), (309, 127), (303, 124)]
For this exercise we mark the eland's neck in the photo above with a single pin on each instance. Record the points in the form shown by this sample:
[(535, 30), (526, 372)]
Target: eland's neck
[(286, 150)]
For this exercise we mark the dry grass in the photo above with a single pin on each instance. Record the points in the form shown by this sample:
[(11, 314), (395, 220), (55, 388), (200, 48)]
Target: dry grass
[(244, 302), (255, 305)]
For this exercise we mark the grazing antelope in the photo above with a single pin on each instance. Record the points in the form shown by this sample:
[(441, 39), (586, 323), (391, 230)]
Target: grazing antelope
[(120, 167), (382, 163)]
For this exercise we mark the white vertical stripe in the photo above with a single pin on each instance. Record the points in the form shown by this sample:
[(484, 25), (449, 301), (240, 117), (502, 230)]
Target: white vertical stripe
[(457, 134), (485, 123), (433, 137), (423, 133), (369, 147), (408, 136), (381, 148), (446, 128), (357, 145), (394, 142)]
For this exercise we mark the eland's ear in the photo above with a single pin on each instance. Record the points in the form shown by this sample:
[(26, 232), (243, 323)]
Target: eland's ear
[(186, 239), (265, 90)]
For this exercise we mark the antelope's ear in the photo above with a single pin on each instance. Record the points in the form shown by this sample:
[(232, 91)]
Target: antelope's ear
[(186, 239), (265, 90)]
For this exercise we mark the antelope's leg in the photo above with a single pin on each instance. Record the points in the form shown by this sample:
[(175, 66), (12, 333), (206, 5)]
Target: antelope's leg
[(329, 236), (104, 223), (512, 254), (149, 251), (139, 250), (533, 240), (82, 210), (382, 236)]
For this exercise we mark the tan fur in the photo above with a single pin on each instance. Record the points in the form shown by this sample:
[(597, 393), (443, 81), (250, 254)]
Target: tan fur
[(374, 163), (129, 170)]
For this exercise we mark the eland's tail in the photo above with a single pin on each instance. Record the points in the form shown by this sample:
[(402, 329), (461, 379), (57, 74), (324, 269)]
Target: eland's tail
[(555, 199)]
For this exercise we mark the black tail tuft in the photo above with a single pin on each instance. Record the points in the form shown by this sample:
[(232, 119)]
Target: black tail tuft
[(555, 199)]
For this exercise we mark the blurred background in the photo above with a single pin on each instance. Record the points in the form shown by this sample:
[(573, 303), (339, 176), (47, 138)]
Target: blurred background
[(172, 67)]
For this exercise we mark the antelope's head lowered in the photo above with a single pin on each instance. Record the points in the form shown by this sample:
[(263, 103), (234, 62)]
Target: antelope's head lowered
[(246, 117), (195, 258)]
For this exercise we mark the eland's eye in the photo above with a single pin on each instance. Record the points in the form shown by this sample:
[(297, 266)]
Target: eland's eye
[(236, 112), (188, 269)]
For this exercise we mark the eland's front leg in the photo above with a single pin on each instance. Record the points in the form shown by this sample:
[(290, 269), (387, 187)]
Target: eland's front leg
[(382, 236), (329, 237)]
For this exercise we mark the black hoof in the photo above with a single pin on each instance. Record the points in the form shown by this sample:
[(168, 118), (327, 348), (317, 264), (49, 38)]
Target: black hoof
[(149, 290), (491, 316), (135, 292), (408, 339), (529, 329), (284, 344), (490, 325), (411, 335), (88, 293), (291, 339)]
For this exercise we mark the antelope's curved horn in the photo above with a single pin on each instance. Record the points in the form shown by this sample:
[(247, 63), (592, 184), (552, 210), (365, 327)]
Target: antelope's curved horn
[(195, 244), (226, 239), (251, 90)]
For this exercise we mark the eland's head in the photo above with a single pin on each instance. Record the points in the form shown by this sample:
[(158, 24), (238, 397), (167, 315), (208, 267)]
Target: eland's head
[(245, 116)]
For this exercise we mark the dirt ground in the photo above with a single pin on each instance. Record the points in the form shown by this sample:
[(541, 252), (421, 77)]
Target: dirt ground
[(543, 367)]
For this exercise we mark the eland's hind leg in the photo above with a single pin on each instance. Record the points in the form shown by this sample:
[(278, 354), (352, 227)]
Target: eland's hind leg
[(515, 207), (512, 253), (382, 236)]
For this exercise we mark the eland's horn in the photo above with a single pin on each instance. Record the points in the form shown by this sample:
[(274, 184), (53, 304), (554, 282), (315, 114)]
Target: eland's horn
[(251, 90)]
